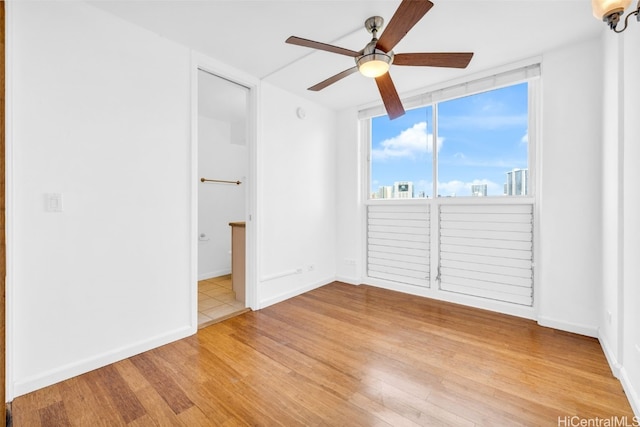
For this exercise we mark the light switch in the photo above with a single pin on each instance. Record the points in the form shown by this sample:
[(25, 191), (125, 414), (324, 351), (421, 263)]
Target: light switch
[(53, 202)]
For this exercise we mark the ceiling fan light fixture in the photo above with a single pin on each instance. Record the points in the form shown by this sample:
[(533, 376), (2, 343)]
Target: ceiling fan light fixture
[(374, 64)]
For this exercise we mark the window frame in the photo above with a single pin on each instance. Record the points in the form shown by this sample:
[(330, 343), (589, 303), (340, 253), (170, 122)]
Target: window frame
[(530, 74)]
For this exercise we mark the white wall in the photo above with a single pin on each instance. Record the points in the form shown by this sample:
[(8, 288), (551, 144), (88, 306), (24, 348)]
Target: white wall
[(220, 156), (297, 203), (630, 63), (349, 234), (569, 268), (620, 332), (612, 198), (98, 111)]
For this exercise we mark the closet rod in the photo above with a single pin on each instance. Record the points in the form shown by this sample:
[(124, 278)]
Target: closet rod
[(220, 180)]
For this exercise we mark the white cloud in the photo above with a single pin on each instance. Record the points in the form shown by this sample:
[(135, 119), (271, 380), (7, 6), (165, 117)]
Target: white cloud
[(461, 188), (451, 188), (410, 143), (525, 138)]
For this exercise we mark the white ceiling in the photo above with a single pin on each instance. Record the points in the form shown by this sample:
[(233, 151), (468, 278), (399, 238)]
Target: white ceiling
[(250, 35)]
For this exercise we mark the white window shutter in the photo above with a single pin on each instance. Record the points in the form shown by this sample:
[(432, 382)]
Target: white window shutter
[(398, 243), (487, 251)]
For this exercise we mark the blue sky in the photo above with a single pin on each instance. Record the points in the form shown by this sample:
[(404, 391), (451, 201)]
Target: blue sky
[(480, 138)]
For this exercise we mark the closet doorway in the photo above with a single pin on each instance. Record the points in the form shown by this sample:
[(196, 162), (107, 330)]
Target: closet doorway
[(223, 164)]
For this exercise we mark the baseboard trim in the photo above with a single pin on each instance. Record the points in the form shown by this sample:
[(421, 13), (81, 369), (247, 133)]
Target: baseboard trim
[(294, 292), (212, 274), (631, 392), (455, 298), (348, 280), (71, 370), (576, 328), (611, 358)]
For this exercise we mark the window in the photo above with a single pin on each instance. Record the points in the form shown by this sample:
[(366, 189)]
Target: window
[(402, 155), (469, 142), (475, 145), (483, 142)]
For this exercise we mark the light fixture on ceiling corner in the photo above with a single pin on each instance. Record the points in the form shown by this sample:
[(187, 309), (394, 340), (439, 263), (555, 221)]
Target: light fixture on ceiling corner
[(610, 11)]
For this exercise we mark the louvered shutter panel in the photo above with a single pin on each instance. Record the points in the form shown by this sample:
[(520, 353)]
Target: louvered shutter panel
[(398, 239), (487, 251)]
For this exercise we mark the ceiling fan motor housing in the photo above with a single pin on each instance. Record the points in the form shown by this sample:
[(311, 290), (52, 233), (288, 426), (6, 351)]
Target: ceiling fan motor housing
[(374, 62)]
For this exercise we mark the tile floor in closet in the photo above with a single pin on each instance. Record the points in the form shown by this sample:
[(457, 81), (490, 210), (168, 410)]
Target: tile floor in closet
[(217, 300)]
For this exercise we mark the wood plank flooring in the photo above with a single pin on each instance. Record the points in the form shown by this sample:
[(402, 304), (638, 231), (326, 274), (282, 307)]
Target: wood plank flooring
[(346, 355)]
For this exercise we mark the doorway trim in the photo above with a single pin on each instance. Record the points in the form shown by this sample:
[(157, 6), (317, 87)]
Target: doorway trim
[(207, 64), (3, 248)]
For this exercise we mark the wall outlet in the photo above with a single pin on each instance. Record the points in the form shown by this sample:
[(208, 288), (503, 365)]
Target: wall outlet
[(349, 261), (53, 202), (299, 270), (311, 267)]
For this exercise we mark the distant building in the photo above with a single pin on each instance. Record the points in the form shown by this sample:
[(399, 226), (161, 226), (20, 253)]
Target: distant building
[(517, 182), (384, 192), (403, 190), (399, 190), (479, 190)]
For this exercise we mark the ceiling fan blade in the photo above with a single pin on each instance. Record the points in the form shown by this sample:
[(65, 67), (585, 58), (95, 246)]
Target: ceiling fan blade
[(321, 46), (408, 14), (451, 60), (390, 96), (333, 79)]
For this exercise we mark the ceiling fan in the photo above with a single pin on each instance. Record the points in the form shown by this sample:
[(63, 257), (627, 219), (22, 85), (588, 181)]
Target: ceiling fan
[(376, 57)]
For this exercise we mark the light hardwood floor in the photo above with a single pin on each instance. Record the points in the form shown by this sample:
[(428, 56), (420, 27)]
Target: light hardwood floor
[(346, 355)]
